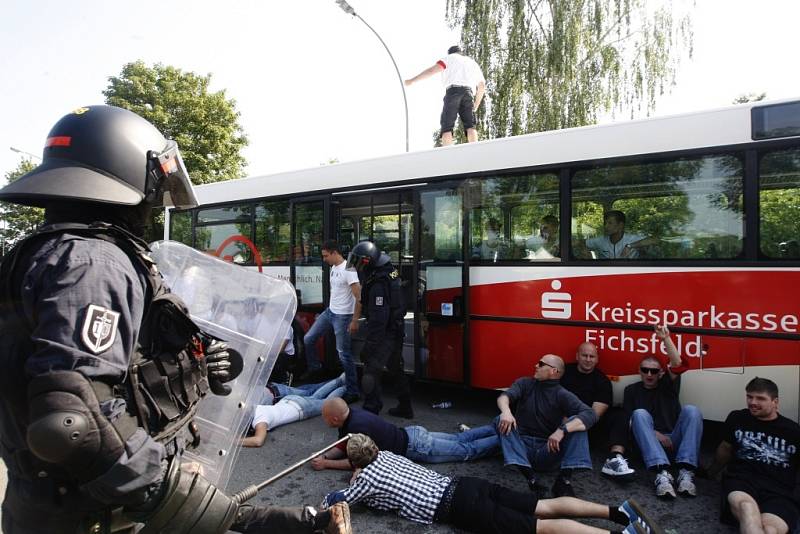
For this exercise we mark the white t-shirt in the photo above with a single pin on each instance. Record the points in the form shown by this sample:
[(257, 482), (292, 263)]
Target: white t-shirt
[(461, 70), (606, 250), (289, 347), (342, 300), (275, 415)]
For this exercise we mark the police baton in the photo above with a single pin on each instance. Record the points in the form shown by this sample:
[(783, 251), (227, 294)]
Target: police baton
[(250, 491)]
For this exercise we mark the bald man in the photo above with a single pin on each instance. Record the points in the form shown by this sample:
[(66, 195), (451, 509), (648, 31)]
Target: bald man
[(414, 442), (547, 429)]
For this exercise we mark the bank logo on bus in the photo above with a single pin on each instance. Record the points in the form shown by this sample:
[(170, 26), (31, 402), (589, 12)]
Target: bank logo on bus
[(556, 304)]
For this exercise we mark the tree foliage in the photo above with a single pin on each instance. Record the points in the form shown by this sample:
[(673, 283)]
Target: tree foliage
[(560, 63), (19, 220), (205, 124)]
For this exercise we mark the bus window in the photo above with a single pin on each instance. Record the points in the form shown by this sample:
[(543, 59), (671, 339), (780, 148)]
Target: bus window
[(180, 227), (779, 200), (273, 231), (226, 232), (681, 209), (442, 227), (308, 233), (514, 218)]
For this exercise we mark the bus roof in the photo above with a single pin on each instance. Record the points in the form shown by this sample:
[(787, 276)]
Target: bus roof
[(719, 127)]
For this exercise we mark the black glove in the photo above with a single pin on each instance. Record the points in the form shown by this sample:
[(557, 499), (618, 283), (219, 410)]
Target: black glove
[(218, 365)]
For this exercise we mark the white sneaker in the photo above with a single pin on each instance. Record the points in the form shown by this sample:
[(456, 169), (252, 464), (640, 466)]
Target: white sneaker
[(463, 428), (617, 467), (664, 486), (686, 483)]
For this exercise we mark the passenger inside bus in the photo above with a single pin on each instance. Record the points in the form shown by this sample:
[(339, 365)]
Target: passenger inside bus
[(494, 247), (544, 244), (615, 243)]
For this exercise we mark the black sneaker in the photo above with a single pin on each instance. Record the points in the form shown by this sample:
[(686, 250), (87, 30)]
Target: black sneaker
[(562, 488), (538, 489), (350, 398)]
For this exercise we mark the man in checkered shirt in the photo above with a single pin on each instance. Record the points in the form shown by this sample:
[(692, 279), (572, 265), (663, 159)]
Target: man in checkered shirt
[(388, 482)]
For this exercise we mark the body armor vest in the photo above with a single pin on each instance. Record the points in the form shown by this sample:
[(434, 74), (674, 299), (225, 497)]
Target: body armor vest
[(390, 277), (167, 373)]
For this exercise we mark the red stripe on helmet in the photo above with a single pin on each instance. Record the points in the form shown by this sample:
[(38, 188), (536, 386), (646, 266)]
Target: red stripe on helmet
[(62, 140)]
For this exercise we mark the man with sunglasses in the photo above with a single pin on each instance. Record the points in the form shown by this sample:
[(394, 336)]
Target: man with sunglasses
[(662, 427), (546, 429)]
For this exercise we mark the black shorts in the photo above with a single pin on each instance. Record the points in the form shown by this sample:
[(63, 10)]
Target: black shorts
[(457, 101), (481, 506), (769, 501)]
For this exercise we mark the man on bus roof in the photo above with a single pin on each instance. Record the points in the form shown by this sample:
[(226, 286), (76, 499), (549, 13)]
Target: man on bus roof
[(762, 451)]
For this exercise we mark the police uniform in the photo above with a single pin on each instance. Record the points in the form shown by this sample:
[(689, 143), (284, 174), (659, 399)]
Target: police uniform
[(384, 309), (102, 369)]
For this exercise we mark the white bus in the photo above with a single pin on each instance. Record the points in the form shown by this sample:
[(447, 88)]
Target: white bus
[(510, 247)]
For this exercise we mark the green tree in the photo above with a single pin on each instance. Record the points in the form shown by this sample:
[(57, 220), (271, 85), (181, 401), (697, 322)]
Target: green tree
[(560, 63), (19, 220), (205, 124)]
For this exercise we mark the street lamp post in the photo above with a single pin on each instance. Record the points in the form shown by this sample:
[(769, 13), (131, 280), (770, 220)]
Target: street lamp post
[(24, 152), (347, 8)]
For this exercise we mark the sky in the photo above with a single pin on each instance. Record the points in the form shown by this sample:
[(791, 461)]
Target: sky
[(313, 83)]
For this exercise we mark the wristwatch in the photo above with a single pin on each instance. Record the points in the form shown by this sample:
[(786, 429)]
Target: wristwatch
[(563, 428)]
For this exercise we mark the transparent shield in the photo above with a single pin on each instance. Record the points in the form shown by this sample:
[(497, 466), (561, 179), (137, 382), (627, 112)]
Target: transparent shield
[(249, 310)]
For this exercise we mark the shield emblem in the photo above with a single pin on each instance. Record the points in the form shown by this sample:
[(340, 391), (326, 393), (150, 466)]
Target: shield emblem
[(99, 328)]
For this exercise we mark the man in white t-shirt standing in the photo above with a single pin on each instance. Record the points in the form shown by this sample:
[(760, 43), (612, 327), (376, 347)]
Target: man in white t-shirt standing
[(341, 316), (464, 87)]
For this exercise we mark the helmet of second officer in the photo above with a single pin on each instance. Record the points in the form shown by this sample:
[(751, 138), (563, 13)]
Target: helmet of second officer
[(365, 256), (106, 155)]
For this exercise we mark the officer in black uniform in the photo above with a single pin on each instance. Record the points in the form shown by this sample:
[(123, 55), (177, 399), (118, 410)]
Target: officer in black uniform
[(384, 309), (101, 368)]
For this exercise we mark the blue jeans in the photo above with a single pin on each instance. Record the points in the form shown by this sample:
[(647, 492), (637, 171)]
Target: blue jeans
[(311, 396), (340, 323), (530, 451), (439, 447), (685, 437)]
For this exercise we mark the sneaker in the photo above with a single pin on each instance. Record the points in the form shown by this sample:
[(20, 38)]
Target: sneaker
[(463, 428), (538, 489), (562, 488), (634, 528), (350, 398), (617, 467), (637, 515), (340, 519), (686, 485), (664, 487)]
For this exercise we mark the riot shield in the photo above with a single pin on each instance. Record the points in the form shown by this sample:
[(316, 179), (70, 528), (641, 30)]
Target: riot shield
[(250, 311)]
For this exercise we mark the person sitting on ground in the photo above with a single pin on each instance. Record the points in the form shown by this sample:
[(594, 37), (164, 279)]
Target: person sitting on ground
[(660, 425), (281, 405), (761, 449), (386, 481), (593, 388), (547, 429), (414, 442)]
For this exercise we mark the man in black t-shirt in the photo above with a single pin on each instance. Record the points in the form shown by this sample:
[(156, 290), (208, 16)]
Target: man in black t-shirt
[(593, 388), (762, 451), (661, 427)]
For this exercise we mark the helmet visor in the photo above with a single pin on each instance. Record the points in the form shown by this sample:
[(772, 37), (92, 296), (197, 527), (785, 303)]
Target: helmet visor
[(175, 187), (356, 262)]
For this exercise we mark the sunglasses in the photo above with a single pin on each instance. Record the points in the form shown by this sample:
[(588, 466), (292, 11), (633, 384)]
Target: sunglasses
[(649, 370), (540, 363)]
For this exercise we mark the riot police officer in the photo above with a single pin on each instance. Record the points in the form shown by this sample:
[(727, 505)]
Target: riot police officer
[(101, 368), (384, 309)]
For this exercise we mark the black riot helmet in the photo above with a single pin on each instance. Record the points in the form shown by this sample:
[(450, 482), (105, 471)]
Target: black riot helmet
[(106, 155), (365, 257)]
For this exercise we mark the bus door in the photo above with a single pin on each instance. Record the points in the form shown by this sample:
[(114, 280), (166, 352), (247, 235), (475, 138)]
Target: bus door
[(385, 217), (440, 290), (307, 271)]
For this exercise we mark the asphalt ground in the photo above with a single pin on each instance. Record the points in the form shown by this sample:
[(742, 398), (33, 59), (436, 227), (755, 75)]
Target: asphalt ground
[(291, 443)]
